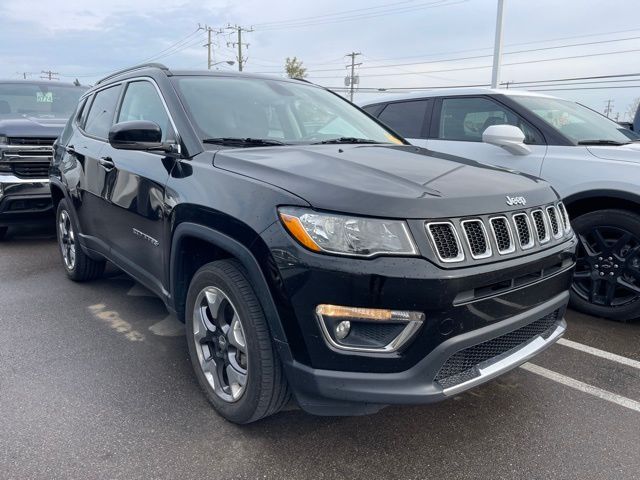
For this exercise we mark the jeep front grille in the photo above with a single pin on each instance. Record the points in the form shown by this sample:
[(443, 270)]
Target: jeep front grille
[(541, 226), (556, 229), (523, 229), (445, 238), (477, 239), (564, 216), (502, 235), (455, 240)]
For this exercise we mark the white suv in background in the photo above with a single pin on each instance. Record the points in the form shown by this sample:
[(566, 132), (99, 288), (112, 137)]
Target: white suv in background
[(592, 164)]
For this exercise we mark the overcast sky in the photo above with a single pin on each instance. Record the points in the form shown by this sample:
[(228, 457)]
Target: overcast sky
[(87, 39)]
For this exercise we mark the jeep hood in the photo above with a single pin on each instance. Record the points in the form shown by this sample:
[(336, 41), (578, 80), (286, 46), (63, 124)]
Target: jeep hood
[(31, 127), (385, 180), (622, 153)]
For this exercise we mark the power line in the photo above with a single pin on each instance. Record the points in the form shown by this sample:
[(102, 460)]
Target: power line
[(476, 57), (395, 11), (489, 66)]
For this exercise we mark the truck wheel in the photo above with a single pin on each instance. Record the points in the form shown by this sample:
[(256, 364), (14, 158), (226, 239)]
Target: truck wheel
[(606, 282), (230, 345), (3, 232), (77, 264)]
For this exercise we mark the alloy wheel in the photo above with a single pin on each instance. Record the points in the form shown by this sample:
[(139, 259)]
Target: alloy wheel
[(608, 267), (67, 240), (220, 344)]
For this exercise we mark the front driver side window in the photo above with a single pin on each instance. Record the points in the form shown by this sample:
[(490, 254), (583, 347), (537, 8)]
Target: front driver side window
[(466, 119), (142, 102)]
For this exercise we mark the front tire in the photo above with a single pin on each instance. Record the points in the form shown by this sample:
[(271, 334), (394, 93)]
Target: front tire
[(230, 345), (78, 266), (606, 281)]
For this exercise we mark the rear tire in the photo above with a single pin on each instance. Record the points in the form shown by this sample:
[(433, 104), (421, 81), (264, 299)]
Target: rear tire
[(606, 281), (230, 345), (78, 265)]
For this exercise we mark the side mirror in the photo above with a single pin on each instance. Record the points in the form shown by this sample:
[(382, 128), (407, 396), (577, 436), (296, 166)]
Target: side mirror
[(137, 135), (509, 137)]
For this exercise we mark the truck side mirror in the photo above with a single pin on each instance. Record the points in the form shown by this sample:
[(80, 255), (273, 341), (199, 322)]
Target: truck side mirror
[(509, 137)]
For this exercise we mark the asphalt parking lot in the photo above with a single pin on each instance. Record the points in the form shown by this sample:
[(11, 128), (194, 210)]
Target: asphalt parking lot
[(95, 383)]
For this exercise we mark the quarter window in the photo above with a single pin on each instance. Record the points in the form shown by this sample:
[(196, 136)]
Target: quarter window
[(100, 114), (142, 102), (406, 118), (465, 119)]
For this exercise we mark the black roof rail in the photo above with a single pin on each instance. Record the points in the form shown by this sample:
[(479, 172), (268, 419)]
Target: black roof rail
[(131, 69)]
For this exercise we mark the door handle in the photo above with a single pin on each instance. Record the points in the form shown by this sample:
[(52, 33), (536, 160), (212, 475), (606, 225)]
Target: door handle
[(106, 163)]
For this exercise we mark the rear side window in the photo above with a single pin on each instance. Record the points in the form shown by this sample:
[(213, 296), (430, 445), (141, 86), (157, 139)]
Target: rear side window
[(100, 114), (142, 102), (466, 119), (406, 118)]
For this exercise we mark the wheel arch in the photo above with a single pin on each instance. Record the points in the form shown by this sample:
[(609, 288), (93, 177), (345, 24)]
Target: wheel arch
[(221, 246), (592, 200)]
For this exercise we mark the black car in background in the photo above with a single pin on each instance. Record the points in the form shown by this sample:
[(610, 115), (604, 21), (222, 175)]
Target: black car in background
[(32, 115), (309, 249)]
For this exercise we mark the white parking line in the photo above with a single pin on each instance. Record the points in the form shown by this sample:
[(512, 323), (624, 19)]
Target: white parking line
[(600, 353), (583, 387)]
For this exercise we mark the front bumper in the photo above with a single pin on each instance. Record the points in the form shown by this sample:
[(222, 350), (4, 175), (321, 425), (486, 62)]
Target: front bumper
[(463, 307), (24, 201), (330, 392)]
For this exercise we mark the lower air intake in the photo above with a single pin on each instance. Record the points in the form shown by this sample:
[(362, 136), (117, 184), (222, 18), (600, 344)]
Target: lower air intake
[(461, 366)]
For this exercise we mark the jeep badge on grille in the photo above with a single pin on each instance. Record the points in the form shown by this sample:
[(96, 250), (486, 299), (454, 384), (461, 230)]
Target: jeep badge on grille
[(516, 201)]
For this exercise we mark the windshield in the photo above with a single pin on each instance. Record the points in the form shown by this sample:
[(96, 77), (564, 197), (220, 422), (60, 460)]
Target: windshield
[(38, 100), (280, 111), (576, 122)]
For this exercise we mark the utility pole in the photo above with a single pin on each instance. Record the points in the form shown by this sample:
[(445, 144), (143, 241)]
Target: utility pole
[(497, 49), (609, 108), (241, 60), (48, 75), (352, 80), (209, 44)]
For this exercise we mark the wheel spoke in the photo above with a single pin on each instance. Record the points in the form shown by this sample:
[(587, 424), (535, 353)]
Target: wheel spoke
[(600, 241), (629, 286), (214, 301), (621, 242), (237, 380), (584, 274), (236, 334), (586, 246), (593, 290), (610, 294)]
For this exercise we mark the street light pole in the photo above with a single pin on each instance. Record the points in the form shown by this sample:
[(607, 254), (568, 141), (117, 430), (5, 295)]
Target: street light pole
[(497, 49)]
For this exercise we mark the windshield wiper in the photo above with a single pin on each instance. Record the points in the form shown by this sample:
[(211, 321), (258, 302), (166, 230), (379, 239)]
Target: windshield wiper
[(602, 142), (346, 140), (243, 142)]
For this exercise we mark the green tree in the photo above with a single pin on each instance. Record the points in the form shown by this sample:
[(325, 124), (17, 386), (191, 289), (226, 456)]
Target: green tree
[(294, 69)]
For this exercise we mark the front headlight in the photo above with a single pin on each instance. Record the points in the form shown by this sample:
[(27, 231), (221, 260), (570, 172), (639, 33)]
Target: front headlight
[(346, 235)]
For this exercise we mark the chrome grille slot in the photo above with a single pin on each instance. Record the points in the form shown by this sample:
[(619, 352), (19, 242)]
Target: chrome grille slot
[(554, 222), (31, 169), (477, 240), (523, 229), (444, 238), (502, 235), (564, 216), (30, 141), (541, 226)]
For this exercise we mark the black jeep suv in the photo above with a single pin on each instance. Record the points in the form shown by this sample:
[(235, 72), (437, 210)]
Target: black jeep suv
[(32, 115), (308, 248)]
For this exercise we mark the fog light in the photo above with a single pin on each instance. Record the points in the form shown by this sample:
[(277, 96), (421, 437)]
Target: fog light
[(367, 329), (343, 329)]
